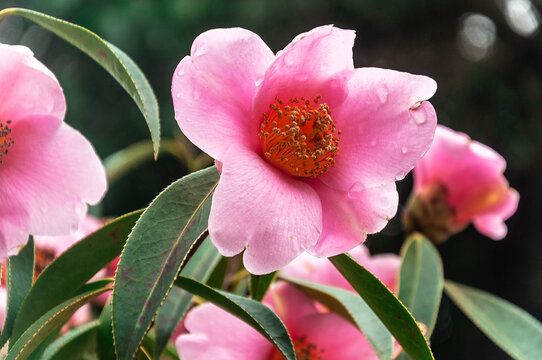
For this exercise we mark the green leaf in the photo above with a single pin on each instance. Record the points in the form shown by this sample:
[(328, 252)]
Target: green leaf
[(178, 300), (385, 305), (111, 58), (252, 312), (351, 307), (75, 267), (74, 344), (511, 328), (105, 348), (155, 252), (421, 280), (48, 323), (19, 278), (259, 285)]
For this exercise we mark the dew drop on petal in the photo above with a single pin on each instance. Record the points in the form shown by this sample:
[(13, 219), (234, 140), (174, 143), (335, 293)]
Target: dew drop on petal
[(356, 187), (180, 72), (178, 95), (44, 209), (404, 150), (177, 117), (79, 209), (399, 177), (419, 116)]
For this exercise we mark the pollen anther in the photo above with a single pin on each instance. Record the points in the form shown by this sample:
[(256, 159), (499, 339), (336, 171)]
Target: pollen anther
[(5, 138), (300, 138)]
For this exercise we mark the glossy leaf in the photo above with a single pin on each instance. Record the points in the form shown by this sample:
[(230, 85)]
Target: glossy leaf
[(111, 58), (49, 322), (105, 348), (19, 278), (73, 344), (75, 267), (350, 306), (154, 254), (178, 301), (252, 312), (386, 306), (259, 285), (421, 280), (511, 328)]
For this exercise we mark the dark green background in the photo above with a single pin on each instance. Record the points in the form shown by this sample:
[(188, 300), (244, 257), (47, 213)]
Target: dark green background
[(497, 101)]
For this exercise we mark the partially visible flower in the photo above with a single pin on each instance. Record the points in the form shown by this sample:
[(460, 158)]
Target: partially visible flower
[(215, 334), (48, 170), (322, 271), (457, 182), (310, 147)]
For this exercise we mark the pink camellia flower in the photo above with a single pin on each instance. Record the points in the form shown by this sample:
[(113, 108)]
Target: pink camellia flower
[(321, 271), (457, 182), (215, 334), (48, 170), (310, 147)]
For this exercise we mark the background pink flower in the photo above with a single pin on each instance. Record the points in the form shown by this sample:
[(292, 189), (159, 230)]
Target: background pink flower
[(49, 171), (215, 334), (469, 177), (321, 271), (310, 146)]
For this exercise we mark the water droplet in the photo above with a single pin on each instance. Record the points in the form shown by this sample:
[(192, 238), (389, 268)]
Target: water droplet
[(416, 105), (177, 117), (382, 94), (79, 209), (44, 209), (356, 187), (399, 177), (385, 202), (323, 67), (200, 50), (419, 116), (258, 82), (180, 72), (178, 95), (404, 150)]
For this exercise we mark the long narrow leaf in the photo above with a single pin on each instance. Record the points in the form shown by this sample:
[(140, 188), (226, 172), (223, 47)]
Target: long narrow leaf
[(20, 275), (254, 313), (155, 252), (75, 267), (178, 300), (259, 285), (350, 306), (72, 344), (49, 322), (386, 306), (111, 58), (511, 328)]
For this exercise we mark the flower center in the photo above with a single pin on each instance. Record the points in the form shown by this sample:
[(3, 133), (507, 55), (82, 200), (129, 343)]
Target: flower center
[(300, 137), (5, 138), (303, 351)]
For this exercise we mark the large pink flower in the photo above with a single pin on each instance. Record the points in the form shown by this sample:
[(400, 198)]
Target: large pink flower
[(322, 271), (460, 181), (310, 146), (48, 170), (215, 334)]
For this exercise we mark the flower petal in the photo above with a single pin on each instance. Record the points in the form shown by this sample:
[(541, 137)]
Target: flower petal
[(289, 303), (213, 89), (349, 216), (263, 209), (318, 62), (386, 128), (27, 87), (492, 224), (51, 170), (216, 334), (335, 337)]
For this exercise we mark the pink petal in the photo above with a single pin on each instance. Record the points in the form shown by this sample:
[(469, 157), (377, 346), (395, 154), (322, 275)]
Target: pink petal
[(492, 224), (386, 128), (260, 208), (14, 224), (337, 338), (215, 334), (213, 89), (59, 244), (289, 303), (51, 170), (321, 271), (3, 305), (27, 87), (349, 216), (318, 62), (472, 173)]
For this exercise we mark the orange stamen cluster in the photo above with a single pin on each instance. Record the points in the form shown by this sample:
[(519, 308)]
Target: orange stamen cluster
[(300, 137), (303, 351), (5, 138)]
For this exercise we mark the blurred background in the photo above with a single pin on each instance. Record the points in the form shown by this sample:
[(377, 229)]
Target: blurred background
[(486, 57)]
